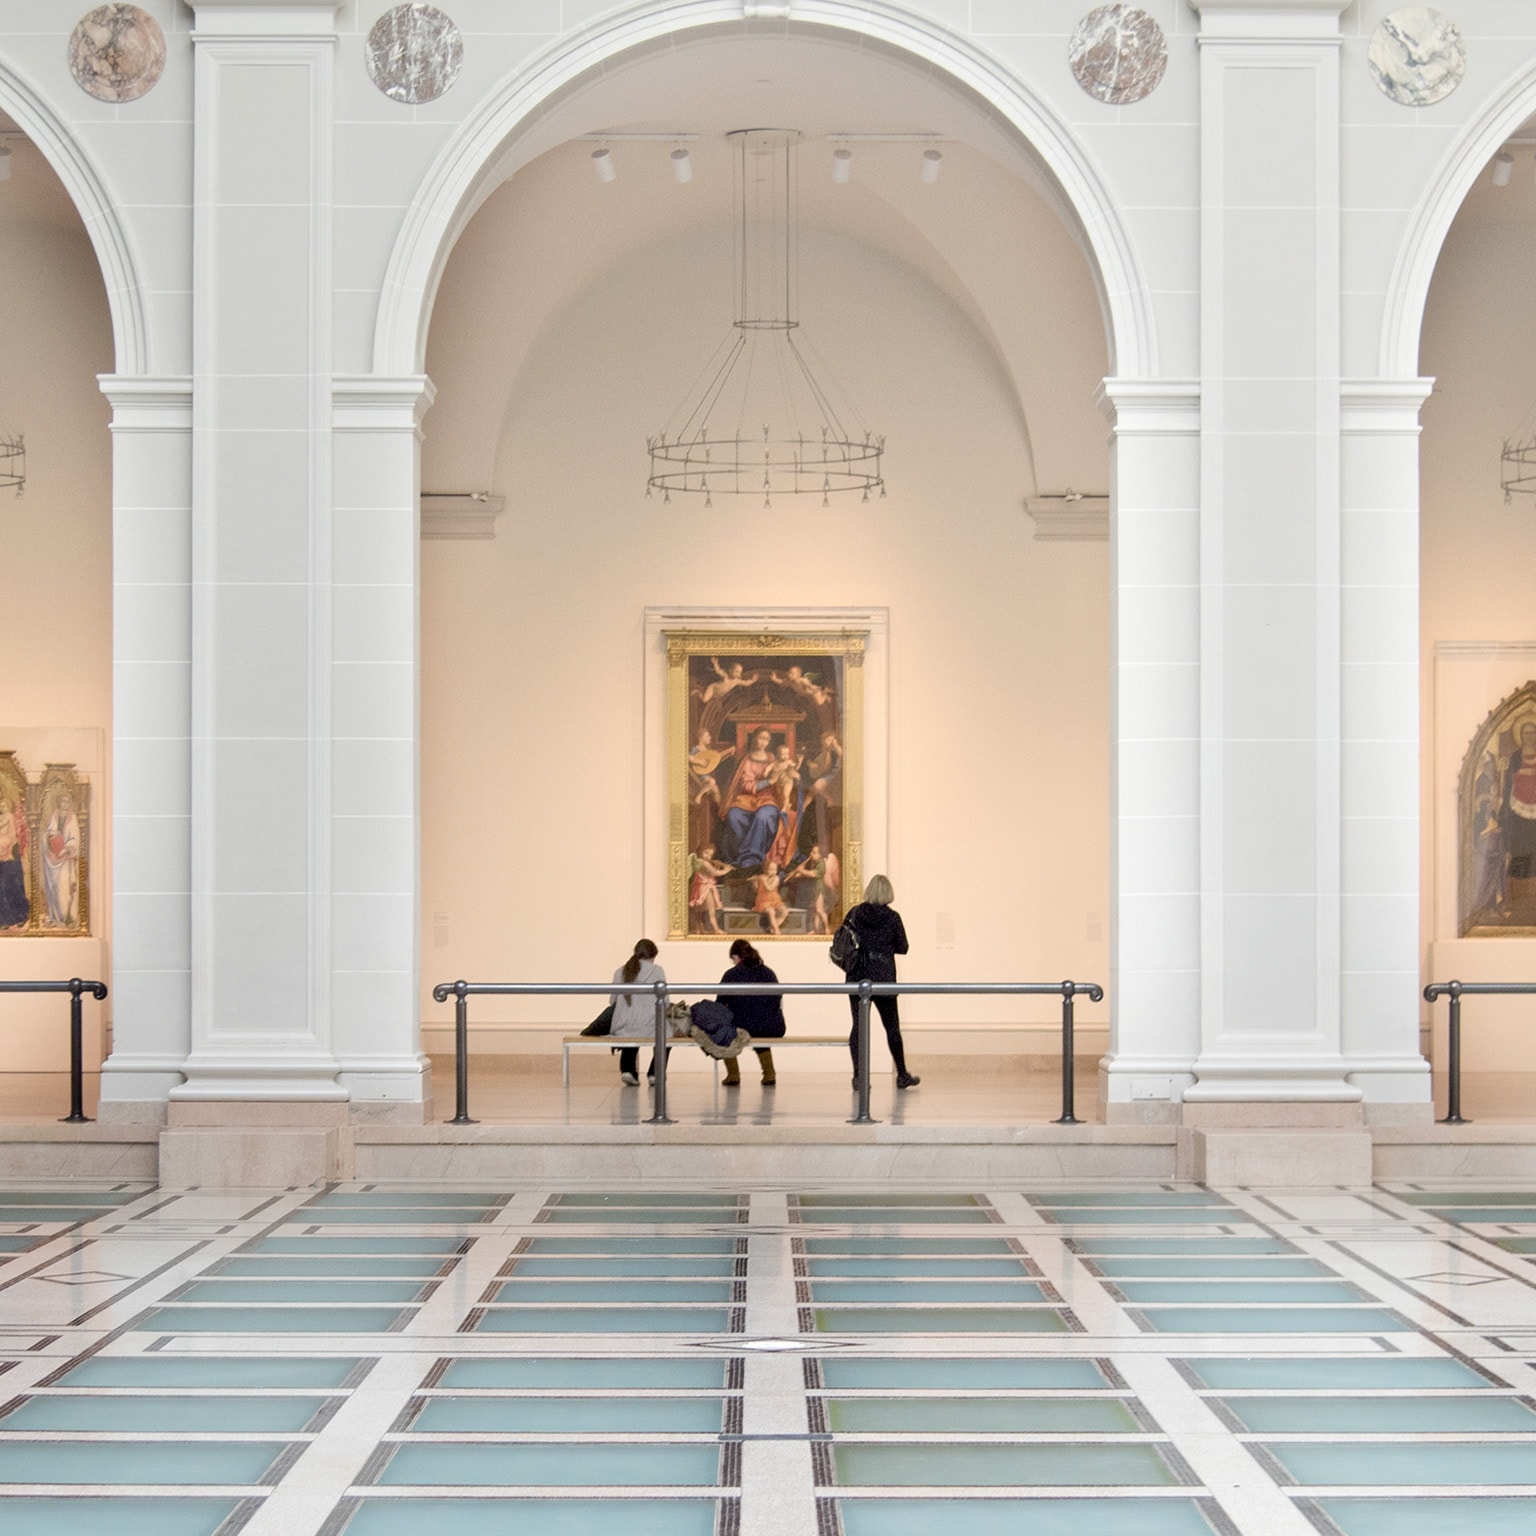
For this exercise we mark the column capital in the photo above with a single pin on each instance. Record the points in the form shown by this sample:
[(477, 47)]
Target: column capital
[(1382, 406), (1150, 405), (380, 402), (147, 402), (1269, 21)]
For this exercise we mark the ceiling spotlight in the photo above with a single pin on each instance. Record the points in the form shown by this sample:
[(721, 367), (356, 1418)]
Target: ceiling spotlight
[(1503, 168), (602, 163), (842, 165), (682, 166), (5, 162), (932, 160)]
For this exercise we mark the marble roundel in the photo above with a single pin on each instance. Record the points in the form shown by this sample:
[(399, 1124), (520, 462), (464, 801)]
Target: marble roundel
[(116, 53), (415, 53), (1118, 54), (1417, 56)]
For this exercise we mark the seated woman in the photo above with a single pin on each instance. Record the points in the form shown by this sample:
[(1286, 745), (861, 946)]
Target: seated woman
[(760, 1014)]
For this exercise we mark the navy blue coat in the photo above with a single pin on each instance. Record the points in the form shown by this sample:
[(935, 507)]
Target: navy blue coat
[(762, 1016)]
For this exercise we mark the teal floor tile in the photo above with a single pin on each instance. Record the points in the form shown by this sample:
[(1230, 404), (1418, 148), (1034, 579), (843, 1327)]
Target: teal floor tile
[(19, 1215), (956, 1292), (862, 1244), (582, 1267), (1517, 1244), (1465, 1215), (1206, 1243), (1144, 1216), (906, 1216), (651, 1216), (958, 1267), (570, 1415), (1431, 1517), (302, 1244), (16, 1243), (679, 1199), (1024, 1517), (1416, 1464), (554, 1466), (981, 1415), (620, 1243), (162, 1370), (833, 1198), (1470, 1197), (335, 1266), (1243, 1292), (1149, 1197), (99, 1199), (157, 1415), (539, 1517), (843, 1373), (617, 1290), (392, 1216), (1380, 1373), (1204, 1266), (1472, 1413), (907, 1465), (603, 1320), (113, 1517), (1273, 1320), (939, 1320), (269, 1320), (125, 1462), (339, 1292), (501, 1372), (412, 1197)]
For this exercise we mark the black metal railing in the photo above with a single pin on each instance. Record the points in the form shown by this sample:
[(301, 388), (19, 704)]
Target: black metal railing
[(864, 991), (1456, 990), (76, 989)]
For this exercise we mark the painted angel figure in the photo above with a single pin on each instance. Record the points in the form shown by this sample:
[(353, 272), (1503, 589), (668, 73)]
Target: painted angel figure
[(729, 680), (802, 682), (705, 758)]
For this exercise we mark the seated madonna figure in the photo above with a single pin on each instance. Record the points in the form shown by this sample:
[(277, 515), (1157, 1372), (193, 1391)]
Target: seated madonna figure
[(753, 806)]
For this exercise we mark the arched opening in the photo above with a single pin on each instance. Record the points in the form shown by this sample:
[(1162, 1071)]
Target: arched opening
[(55, 624), (1478, 617), (968, 321)]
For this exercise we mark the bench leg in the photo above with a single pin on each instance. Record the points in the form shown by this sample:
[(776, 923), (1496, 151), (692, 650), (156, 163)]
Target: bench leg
[(565, 1066)]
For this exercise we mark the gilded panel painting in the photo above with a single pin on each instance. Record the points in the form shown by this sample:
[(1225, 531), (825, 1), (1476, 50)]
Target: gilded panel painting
[(1497, 812), (44, 851), (765, 782)]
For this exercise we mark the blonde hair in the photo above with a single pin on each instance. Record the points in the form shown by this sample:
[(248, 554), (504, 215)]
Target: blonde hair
[(878, 892)]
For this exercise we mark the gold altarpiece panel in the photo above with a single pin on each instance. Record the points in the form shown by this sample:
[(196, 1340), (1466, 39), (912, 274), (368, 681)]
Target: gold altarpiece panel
[(765, 782)]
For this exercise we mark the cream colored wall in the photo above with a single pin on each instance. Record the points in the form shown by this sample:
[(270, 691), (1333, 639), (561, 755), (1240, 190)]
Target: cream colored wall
[(55, 549), (532, 707), (1478, 561)]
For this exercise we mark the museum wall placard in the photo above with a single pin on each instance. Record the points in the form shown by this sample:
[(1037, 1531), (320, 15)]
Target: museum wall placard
[(985, 772)]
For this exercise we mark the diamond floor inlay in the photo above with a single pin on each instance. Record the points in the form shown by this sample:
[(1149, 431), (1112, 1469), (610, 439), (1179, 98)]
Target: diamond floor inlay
[(1135, 1360)]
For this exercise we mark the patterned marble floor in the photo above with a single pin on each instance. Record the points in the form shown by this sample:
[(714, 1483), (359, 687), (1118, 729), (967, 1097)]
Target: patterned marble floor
[(1123, 1360)]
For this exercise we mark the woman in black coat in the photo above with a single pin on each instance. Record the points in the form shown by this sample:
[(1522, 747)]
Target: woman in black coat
[(881, 938), (760, 1014)]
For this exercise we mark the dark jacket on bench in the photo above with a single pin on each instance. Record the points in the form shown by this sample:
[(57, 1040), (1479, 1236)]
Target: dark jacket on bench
[(763, 1016)]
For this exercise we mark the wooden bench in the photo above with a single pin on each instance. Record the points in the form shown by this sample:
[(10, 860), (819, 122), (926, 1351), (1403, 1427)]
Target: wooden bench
[(609, 1043)]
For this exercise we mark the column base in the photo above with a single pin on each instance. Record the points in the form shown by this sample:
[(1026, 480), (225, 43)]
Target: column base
[(1271, 1145), (246, 1144)]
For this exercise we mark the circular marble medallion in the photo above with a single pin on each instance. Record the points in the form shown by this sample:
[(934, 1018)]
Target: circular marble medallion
[(1118, 54), (1417, 56), (415, 53), (116, 53)]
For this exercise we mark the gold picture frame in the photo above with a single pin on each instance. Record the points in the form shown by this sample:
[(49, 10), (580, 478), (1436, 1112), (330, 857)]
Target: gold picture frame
[(765, 781)]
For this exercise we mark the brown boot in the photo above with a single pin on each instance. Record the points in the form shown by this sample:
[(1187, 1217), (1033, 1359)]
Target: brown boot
[(765, 1060), (732, 1073)]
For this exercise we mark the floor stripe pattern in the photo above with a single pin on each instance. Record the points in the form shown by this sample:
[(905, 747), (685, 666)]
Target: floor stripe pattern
[(1114, 1361)]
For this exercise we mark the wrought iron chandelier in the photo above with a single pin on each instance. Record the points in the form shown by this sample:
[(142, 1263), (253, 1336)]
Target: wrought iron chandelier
[(1517, 468), (760, 421), (13, 462)]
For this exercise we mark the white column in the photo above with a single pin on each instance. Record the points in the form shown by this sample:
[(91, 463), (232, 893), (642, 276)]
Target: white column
[(1155, 618), (1379, 577), (1269, 641), (261, 553), (151, 744), (376, 811)]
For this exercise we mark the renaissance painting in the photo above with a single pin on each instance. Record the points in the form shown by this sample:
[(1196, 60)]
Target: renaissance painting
[(44, 851), (764, 774), (1497, 815)]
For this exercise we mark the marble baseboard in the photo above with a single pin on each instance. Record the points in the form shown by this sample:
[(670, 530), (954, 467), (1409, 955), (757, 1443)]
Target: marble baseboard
[(1272, 1158)]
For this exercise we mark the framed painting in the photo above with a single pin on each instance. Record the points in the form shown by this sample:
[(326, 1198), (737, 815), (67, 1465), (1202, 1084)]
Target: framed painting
[(15, 847), (1496, 811), (61, 859), (765, 744)]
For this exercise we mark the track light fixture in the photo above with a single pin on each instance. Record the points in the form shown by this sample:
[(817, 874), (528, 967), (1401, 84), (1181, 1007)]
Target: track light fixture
[(682, 166), (842, 165), (602, 163), (1503, 168), (932, 161)]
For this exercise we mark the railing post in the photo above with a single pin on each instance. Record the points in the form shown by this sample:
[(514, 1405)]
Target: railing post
[(1454, 1115), (1068, 1057), (77, 1114), (461, 1054), (659, 1060), (862, 1115)]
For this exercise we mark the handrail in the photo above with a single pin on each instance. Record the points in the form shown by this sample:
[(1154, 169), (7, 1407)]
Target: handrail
[(75, 987), (663, 991), (1456, 990)]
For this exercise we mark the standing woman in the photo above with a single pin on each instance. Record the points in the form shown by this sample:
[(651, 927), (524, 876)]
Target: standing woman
[(760, 1014), (881, 938), (634, 1017)]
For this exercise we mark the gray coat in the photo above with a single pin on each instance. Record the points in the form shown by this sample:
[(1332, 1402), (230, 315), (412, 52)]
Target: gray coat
[(634, 1018)]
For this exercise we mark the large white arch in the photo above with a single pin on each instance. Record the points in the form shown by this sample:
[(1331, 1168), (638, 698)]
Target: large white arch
[(104, 225), (1459, 167), (457, 180)]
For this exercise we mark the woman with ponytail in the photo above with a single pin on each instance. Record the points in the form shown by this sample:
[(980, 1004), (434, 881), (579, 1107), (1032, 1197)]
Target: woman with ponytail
[(634, 1017), (760, 1014)]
